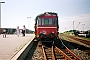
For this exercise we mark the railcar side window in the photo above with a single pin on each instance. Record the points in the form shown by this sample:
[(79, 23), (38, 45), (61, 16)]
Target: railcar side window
[(55, 21), (42, 21), (39, 21)]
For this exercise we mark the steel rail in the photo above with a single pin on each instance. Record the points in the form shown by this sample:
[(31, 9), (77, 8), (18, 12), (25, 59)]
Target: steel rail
[(78, 39), (53, 56), (66, 56), (66, 53), (76, 58), (61, 52), (44, 55)]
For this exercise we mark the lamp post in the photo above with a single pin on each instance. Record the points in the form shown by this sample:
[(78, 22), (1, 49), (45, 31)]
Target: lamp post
[(0, 13), (83, 26), (28, 22)]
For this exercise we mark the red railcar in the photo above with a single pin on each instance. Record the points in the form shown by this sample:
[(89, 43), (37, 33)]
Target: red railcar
[(46, 26)]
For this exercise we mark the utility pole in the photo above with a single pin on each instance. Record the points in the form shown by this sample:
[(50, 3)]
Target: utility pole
[(73, 26), (83, 26), (0, 13), (78, 25)]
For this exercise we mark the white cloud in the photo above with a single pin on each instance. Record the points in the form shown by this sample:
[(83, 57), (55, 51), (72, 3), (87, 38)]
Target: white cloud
[(67, 22)]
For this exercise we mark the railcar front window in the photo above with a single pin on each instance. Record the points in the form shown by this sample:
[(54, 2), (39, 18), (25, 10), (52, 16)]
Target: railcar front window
[(50, 21), (46, 21)]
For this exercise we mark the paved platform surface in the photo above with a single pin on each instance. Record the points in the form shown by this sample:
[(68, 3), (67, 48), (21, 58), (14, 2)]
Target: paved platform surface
[(10, 45)]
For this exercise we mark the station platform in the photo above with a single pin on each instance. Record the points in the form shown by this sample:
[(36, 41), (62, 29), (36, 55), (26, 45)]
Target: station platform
[(10, 45)]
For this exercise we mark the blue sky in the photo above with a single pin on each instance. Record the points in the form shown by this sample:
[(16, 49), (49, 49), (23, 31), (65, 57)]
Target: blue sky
[(15, 12)]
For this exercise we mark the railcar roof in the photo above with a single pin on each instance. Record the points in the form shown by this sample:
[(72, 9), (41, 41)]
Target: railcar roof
[(45, 13)]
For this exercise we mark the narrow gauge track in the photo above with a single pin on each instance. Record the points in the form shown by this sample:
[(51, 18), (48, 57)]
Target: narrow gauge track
[(80, 40), (54, 53)]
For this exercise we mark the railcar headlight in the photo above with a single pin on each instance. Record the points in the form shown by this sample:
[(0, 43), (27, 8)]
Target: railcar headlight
[(52, 31), (40, 32), (43, 32)]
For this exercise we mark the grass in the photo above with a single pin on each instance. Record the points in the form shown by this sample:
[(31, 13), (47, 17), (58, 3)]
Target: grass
[(87, 39)]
